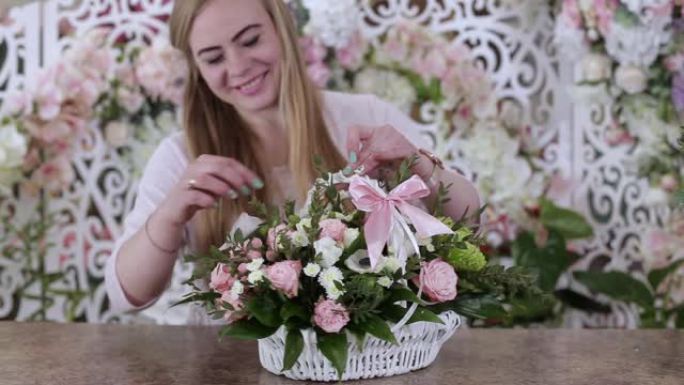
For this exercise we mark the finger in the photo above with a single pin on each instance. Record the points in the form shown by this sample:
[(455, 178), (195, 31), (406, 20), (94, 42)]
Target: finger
[(198, 199), (368, 164), (356, 136), (231, 171), (216, 187)]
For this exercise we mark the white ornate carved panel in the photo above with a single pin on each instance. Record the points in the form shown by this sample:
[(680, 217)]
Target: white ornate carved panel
[(513, 41)]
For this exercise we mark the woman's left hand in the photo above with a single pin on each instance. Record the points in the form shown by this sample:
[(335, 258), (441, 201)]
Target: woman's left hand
[(377, 147)]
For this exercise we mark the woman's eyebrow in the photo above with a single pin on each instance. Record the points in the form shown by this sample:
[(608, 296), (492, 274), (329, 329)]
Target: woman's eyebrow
[(236, 37)]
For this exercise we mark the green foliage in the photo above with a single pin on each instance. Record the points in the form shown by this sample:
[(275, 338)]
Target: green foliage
[(569, 224), (265, 308), (617, 285), (334, 348), (363, 295), (377, 327), (548, 261), (247, 329), (294, 345)]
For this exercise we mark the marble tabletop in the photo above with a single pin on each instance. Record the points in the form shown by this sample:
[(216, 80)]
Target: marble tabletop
[(75, 354)]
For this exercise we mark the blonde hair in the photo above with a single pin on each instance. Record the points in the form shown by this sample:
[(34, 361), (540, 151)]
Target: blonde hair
[(214, 127)]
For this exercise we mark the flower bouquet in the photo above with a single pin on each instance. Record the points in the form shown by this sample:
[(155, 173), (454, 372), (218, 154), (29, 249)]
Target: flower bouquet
[(360, 282)]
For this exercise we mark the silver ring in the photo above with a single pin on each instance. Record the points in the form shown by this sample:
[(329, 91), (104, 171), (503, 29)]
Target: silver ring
[(191, 184)]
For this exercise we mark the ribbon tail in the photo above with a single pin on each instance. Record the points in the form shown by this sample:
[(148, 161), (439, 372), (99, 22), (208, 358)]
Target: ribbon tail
[(426, 225), (401, 256), (377, 230)]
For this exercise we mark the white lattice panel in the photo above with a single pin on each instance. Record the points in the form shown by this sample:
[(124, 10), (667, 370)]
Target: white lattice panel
[(512, 42)]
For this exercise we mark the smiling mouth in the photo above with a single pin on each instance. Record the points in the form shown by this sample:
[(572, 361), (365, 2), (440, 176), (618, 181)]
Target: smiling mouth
[(253, 84)]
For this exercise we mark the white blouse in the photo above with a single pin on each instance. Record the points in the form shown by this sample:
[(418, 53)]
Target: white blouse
[(170, 159)]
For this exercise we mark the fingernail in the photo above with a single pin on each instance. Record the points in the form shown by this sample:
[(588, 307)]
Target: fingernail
[(347, 171), (257, 183), (352, 157), (232, 194), (245, 190)]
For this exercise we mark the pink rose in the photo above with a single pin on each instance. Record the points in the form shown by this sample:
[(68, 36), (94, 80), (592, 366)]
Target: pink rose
[(332, 228), (439, 280), (284, 276), (221, 279), (330, 316), (242, 268)]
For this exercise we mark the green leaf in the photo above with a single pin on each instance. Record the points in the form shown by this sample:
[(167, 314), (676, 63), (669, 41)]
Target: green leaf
[(294, 344), (568, 223), (209, 296), (334, 348), (581, 302), (478, 307), (358, 333), (656, 277), (424, 315), (377, 327), (265, 309), (293, 309), (549, 261), (245, 329), (617, 285), (402, 294)]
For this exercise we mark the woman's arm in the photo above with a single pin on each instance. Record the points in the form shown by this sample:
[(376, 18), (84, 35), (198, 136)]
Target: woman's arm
[(464, 200)]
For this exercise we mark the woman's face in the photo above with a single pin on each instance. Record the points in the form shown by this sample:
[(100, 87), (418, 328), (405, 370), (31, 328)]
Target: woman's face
[(238, 53)]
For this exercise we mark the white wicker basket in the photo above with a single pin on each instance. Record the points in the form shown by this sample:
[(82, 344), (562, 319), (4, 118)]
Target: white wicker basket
[(419, 344)]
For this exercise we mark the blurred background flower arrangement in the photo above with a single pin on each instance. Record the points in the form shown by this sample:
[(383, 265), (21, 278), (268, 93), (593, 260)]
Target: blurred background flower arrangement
[(631, 57)]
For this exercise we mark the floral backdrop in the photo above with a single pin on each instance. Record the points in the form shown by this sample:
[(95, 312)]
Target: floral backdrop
[(588, 197)]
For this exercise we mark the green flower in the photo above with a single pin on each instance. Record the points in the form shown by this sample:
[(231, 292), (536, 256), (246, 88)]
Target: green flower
[(468, 259)]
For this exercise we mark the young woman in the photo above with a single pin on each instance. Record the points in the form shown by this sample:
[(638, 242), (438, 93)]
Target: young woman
[(252, 122)]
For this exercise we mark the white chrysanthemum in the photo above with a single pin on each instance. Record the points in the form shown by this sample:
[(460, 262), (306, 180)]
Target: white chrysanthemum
[(385, 282), (300, 239), (328, 277), (333, 292), (255, 277), (255, 264), (312, 269), (237, 289), (330, 253), (350, 235), (388, 85), (333, 22), (391, 264)]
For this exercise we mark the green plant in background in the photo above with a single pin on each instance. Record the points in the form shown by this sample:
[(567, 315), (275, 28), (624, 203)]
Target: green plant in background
[(549, 257), (29, 245)]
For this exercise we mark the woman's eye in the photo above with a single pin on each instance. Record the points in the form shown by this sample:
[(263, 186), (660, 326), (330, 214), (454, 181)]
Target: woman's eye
[(215, 60), (252, 42)]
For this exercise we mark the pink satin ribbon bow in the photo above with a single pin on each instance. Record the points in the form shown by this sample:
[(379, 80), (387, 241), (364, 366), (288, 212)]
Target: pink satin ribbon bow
[(387, 209)]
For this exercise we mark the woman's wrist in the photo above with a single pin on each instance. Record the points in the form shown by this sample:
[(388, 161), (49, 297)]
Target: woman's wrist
[(164, 235)]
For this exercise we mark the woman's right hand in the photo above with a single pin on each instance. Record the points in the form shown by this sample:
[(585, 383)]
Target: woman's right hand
[(205, 181)]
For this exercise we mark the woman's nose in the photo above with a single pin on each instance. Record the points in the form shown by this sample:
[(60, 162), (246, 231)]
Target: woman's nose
[(237, 66)]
